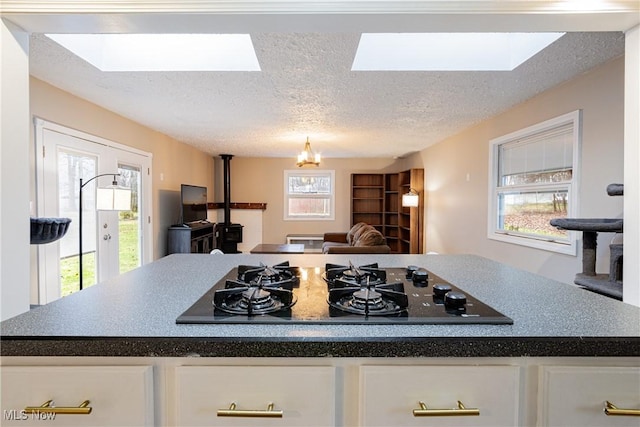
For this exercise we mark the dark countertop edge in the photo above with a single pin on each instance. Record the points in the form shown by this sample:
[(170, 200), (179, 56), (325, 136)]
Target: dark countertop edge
[(322, 347)]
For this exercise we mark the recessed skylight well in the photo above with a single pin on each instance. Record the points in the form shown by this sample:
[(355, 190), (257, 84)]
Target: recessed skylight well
[(448, 51), (163, 52)]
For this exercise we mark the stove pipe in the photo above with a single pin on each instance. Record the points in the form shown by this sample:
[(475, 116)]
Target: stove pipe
[(229, 234), (226, 158)]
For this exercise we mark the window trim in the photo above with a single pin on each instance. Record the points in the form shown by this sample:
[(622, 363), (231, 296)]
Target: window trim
[(493, 233), (331, 197)]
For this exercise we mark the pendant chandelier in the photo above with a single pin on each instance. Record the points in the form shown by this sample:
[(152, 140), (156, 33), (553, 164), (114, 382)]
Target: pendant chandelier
[(307, 157)]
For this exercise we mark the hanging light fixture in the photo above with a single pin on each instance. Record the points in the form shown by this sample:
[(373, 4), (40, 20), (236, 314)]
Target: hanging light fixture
[(307, 157), (411, 199)]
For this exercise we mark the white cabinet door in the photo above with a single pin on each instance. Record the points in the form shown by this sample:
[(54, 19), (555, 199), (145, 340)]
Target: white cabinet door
[(117, 395), (575, 396), (305, 395), (389, 394)]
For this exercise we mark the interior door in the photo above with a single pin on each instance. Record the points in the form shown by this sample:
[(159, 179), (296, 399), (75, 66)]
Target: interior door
[(112, 241)]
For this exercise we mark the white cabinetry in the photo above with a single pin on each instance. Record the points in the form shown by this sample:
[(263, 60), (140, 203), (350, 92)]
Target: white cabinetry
[(116, 395), (575, 396), (390, 394), (299, 395), (323, 391)]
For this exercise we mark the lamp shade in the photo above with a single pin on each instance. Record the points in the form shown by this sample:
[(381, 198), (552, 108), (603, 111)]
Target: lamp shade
[(113, 198), (411, 199)]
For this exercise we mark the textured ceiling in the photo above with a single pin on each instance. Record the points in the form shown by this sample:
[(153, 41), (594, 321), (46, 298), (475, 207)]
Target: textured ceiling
[(306, 88)]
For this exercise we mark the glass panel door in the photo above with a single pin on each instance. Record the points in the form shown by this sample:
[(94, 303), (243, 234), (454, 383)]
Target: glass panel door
[(129, 222), (73, 165), (113, 242), (66, 159)]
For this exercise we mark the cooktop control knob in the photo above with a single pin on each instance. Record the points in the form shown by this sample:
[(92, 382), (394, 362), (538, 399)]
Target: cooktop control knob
[(455, 299), (410, 270), (440, 290), (420, 278)]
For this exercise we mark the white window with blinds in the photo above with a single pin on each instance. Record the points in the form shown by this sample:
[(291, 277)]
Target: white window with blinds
[(309, 195), (533, 179)]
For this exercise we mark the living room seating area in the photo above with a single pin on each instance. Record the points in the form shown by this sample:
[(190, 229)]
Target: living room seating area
[(362, 238)]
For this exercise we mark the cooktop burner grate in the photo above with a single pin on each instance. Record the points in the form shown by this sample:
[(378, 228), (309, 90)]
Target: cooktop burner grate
[(338, 294)]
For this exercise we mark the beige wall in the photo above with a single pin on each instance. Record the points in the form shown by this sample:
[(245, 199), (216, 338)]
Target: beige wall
[(173, 162), (456, 214), (262, 180)]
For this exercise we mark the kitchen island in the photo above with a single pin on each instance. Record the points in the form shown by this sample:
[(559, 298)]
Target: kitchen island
[(131, 320), (134, 315)]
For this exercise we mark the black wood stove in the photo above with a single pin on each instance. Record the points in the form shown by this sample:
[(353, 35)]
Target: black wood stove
[(338, 294), (229, 234)]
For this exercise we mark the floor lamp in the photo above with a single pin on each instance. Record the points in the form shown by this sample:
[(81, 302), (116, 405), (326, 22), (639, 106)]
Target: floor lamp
[(112, 198), (412, 200)]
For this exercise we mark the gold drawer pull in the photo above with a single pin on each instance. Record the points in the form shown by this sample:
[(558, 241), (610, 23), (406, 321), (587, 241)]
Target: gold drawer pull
[(611, 409), (233, 412), (47, 407), (461, 410)]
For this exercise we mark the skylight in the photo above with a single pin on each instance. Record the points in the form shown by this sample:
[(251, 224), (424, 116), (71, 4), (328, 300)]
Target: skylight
[(448, 51), (163, 52)]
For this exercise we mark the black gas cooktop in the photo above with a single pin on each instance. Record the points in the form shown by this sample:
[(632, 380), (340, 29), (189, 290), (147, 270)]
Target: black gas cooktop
[(337, 294)]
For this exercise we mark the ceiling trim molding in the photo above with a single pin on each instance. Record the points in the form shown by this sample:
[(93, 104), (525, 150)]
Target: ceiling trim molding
[(327, 6)]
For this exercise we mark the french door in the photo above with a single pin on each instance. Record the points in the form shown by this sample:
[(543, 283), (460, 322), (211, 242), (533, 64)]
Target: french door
[(113, 242)]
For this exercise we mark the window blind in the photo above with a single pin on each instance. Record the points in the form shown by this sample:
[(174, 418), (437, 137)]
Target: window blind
[(549, 150)]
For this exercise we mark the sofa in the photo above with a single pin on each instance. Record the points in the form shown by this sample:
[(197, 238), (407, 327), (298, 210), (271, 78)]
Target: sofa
[(362, 238)]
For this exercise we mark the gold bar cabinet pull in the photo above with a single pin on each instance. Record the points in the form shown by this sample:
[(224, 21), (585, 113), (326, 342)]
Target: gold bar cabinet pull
[(233, 412), (460, 411), (611, 409), (49, 408)]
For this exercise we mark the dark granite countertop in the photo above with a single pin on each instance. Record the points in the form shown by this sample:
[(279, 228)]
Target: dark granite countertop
[(134, 315)]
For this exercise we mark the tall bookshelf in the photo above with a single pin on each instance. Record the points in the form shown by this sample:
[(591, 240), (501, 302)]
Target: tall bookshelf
[(367, 199), (391, 226), (376, 199)]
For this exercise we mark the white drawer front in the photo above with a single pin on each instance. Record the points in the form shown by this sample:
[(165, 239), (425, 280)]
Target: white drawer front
[(305, 395), (389, 394), (575, 396), (117, 395)]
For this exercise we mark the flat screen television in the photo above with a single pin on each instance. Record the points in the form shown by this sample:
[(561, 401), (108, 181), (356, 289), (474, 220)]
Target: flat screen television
[(194, 203)]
